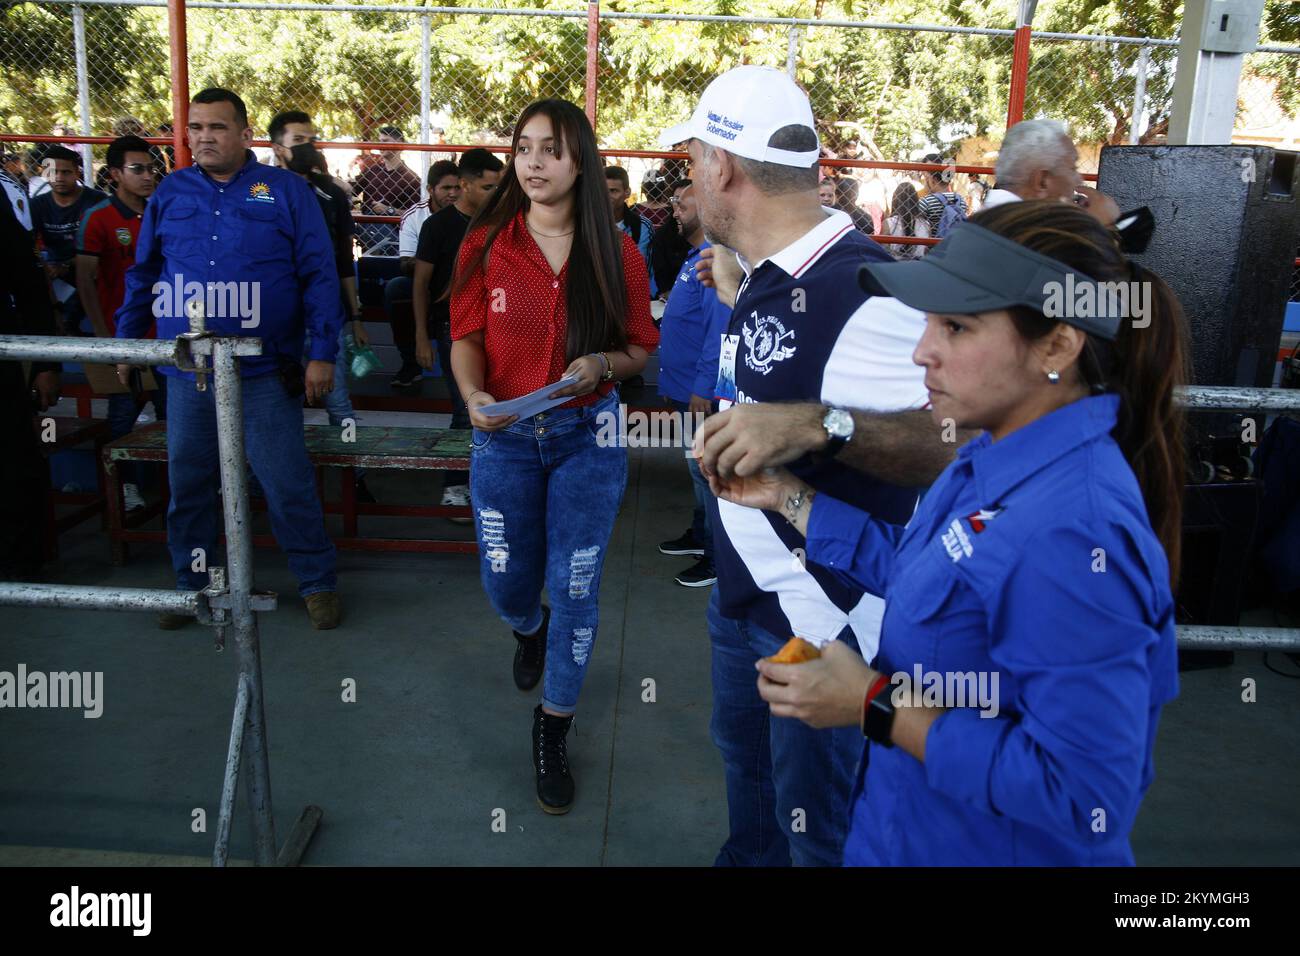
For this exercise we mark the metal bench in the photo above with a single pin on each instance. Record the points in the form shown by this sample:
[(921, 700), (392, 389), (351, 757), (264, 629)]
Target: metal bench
[(373, 447)]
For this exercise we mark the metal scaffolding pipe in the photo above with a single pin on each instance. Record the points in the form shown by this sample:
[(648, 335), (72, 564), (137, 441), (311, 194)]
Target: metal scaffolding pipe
[(58, 348), (221, 849), (88, 598), (1229, 398), (55, 348), (1214, 638), (239, 565)]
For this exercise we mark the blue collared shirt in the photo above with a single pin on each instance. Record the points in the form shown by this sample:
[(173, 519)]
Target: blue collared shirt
[(692, 315), (256, 249), (1030, 561)]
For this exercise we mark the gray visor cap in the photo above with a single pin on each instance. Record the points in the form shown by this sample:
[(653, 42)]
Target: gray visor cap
[(976, 270)]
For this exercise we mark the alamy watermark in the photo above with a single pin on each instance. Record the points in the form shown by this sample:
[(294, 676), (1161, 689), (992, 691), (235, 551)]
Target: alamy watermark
[(213, 300), (977, 689), (655, 429), (1087, 299), (83, 690)]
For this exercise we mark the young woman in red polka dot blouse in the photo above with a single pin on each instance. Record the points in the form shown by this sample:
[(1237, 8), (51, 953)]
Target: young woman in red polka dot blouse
[(546, 286)]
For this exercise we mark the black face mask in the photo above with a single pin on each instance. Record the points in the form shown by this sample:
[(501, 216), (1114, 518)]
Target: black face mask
[(1135, 229), (306, 158)]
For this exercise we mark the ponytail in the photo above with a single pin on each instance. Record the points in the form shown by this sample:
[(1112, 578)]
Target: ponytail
[(1144, 366), (1149, 364)]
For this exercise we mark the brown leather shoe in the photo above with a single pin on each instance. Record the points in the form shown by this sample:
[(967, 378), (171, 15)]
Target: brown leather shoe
[(323, 609)]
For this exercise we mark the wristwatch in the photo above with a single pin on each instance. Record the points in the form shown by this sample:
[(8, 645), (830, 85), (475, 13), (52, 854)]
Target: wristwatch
[(878, 713), (838, 423)]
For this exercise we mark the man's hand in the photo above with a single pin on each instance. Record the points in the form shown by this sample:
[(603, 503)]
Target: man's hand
[(826, 692), (319, 380), (718, 269), (1097, 204), (424, 352), (700, 406), (766, 491), (359, 332), (46, 389), (745, 439), (124, 373)]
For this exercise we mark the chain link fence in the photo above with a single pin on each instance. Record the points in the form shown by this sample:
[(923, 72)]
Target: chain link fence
[(881, 92)]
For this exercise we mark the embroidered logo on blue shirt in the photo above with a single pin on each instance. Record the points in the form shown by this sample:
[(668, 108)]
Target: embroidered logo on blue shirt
[(765, 344), (956, 541), (260, 192)]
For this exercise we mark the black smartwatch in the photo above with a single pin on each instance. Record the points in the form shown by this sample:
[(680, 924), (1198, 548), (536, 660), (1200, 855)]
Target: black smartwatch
[(878, 713), (838, 423)]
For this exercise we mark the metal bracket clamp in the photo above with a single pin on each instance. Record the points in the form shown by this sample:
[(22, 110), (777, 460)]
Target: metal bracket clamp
[(188, 361), (213, 605), (198, 330)]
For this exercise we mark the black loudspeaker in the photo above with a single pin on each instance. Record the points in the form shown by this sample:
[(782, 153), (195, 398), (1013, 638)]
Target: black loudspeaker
[(1225, 241)]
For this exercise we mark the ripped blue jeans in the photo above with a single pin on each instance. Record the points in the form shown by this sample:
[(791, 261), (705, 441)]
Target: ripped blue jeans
[(545, 496)]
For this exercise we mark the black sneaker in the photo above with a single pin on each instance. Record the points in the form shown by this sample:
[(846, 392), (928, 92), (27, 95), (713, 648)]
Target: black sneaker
[(407, 375), (530, 655), (698, 575), (686, 544), (364, 494), (551, 761)]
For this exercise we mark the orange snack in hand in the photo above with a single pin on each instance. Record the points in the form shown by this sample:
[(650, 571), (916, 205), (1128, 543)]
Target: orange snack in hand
[(795, 651)]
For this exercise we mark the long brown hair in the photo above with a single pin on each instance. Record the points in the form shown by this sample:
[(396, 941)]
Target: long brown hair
[(1143, 365), (595, 298)]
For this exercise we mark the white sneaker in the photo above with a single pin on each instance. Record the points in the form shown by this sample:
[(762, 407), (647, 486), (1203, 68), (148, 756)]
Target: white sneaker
[(457, 496), (131, 497)]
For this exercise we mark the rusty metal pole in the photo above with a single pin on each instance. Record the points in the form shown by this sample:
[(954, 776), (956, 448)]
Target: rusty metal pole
[(179, 49), (593, 61), (1019, 76)]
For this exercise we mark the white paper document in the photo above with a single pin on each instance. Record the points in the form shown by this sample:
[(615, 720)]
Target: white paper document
[(533, 402)]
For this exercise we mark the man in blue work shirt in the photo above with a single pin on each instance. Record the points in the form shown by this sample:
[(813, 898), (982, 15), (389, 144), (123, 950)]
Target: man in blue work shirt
[(692, 318), (800, 330), (249, 243)]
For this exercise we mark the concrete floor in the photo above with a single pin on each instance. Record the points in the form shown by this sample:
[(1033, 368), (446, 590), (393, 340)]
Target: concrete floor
[(438, 738)]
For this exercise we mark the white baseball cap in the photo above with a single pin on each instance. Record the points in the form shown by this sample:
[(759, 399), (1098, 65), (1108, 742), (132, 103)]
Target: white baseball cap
[(742, 108)]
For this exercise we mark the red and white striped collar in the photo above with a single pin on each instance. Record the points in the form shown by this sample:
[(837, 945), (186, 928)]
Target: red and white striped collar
[(798, 257)]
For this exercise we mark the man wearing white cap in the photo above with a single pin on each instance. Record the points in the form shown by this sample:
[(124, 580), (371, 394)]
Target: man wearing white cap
[(801, 330)]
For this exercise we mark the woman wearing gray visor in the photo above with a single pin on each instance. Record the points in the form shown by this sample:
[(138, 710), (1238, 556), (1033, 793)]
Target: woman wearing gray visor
[(1028, 639)]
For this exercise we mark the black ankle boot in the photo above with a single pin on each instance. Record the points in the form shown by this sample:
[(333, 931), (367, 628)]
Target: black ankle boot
[(530, 655), (551, 761)]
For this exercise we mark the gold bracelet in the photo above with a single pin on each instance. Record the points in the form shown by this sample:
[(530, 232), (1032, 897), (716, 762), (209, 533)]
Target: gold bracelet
[(609, 369)]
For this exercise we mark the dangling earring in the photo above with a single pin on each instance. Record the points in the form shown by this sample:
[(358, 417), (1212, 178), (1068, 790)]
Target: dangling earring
[(1054, 377)]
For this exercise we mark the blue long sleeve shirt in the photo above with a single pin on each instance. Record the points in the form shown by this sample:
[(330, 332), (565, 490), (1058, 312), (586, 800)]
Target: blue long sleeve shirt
[(1030, 580), (643, 246), (256, 252), (692, 316)]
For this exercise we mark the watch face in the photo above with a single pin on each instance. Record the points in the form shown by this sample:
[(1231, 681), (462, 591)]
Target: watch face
[(838, 423)]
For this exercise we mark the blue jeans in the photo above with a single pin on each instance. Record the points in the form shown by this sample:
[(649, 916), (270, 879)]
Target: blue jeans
[(122, 413), (338, 403), (700, 526), (276, 451), (775, 766), (545, 499)]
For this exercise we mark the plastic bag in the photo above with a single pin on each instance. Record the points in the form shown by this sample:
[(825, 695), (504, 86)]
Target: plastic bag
[(362, 359)]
